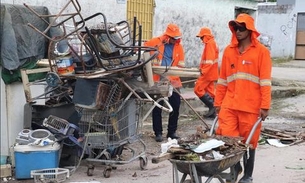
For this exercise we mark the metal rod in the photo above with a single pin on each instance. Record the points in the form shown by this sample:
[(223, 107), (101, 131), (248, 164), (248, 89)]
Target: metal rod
[(207, 126)]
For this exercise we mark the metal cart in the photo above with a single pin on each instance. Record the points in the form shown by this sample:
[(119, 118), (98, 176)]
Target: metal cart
[(108, 130), (210, 168)]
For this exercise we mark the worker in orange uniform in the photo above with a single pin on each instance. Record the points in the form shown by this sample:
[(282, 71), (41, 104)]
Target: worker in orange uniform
[(171, 53), (243, 92), (205, 84)]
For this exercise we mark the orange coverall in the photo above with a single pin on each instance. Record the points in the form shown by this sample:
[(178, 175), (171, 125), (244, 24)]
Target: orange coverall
[(178, 57), (244, 86), (208, 65)]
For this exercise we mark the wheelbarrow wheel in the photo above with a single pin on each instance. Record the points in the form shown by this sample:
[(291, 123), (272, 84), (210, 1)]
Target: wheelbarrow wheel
[(107, 172), (143, 162)]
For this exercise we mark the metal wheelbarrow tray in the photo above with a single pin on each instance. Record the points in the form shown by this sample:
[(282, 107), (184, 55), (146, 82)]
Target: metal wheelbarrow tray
[(209, 167)]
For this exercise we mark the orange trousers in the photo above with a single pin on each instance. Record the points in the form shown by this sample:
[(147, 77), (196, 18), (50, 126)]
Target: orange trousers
[(238, 123), (203, 86)]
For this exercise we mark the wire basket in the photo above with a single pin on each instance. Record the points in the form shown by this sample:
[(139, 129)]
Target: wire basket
[(50, 175), (111, 127)]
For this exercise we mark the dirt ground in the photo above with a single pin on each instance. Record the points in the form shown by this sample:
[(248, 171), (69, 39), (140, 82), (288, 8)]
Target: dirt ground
[(273, 164)]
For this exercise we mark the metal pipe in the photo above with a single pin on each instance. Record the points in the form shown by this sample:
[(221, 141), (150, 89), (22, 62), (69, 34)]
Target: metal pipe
[(207, 126)]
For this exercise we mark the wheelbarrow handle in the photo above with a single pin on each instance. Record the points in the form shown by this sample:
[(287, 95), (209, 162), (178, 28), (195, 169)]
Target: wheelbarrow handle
[(213, 126), (259, 120)]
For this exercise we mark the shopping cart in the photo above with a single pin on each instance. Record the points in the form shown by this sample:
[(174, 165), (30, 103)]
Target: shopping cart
[(106, 133), (210, 168), (108, 130)]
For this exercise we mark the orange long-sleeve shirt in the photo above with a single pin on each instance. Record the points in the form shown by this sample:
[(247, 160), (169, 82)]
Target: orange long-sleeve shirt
[(178, 58), (245, 79), (209, 60)]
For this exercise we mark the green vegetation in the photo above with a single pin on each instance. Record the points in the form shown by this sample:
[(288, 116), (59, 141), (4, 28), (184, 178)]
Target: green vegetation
[(280, 60)]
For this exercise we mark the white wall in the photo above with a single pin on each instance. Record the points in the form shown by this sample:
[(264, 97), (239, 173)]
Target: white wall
[(194, 14), (280, 23), (3, 118), (281, 26), (300, 6)]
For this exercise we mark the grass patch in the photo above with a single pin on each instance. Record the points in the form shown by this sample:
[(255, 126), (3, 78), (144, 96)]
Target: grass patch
[(280, 60)]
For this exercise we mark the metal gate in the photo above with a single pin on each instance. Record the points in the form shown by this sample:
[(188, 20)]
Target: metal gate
[(144, 11)]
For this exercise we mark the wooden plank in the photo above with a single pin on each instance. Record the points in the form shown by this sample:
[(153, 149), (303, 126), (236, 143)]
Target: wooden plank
[(176, 71), (162, 157), (26, 87), (178, 150), (39, 70)]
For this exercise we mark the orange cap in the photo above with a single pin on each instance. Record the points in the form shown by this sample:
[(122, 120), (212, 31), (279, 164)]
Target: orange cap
[(172, 30), (205, 31)]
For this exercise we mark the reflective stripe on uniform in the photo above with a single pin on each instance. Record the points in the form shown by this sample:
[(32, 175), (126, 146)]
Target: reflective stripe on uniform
[(209, 62), (265, 82), (245, 76), (222, 82), (248, 77)]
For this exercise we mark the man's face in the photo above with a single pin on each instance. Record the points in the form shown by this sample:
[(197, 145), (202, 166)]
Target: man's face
[(241, 32), (172, 40)]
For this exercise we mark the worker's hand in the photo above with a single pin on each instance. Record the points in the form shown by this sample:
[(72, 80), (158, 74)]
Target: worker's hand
[(217, 109), (264, 113)]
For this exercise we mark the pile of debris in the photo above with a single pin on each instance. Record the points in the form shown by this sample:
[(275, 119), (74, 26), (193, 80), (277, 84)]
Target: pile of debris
[(201, 147), (289, 137)]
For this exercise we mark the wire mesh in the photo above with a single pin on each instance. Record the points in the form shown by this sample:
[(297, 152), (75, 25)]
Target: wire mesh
[(112, 127)]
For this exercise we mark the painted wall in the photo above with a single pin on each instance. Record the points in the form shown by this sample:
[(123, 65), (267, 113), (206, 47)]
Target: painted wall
[(190, 16), (279, 23)]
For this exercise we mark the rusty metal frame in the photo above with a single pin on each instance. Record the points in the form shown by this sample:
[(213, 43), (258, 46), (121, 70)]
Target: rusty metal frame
[(55, 17)]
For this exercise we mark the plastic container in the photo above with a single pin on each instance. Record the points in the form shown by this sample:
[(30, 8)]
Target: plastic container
[(29, 158), (50, 175), (65, 65)]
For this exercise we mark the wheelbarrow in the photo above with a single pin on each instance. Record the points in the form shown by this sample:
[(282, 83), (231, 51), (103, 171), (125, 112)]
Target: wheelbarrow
[(210, 168)]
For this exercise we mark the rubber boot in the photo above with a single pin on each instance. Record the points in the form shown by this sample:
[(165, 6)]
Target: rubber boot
[(249, 166), (209, 102)]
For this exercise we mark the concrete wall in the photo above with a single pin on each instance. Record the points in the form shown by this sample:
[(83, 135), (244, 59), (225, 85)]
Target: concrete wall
[(3, 118), (191, 16), (279, 22)]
